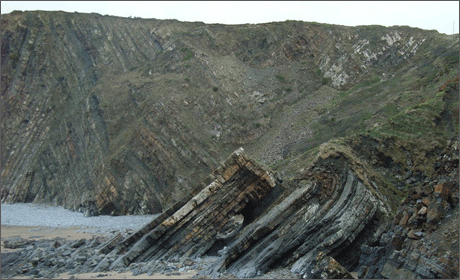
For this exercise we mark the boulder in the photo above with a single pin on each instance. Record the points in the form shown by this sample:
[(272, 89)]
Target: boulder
[(16, 242), (326, 267), (435, 214), (443, 190)]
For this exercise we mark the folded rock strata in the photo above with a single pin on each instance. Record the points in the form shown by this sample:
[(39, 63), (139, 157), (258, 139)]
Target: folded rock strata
[(191, 229), (331, 215)]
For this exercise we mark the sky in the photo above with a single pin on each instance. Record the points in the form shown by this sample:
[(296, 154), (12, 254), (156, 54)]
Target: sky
[(442, 16)]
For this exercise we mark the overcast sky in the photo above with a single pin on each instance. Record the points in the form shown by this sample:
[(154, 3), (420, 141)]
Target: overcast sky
[(440, 15)]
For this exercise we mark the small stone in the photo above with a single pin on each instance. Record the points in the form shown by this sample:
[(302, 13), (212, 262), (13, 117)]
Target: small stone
[(443, 190), (67, 253), (70, 264), (78, 243), (188, 262), (34, 261), (422, 211), (415, 234), (61, 263), (435, 214), (56, 244), (80, 259)]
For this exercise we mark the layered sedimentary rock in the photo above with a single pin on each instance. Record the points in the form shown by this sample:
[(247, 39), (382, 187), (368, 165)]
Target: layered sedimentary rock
[(216, 213), (109, 115), (332, 214), (336, 221)]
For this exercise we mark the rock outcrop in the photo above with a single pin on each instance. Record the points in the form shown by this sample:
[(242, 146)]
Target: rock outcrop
[(109, 115), (331, 215), (212, 216), (423, 242), (246, 224)]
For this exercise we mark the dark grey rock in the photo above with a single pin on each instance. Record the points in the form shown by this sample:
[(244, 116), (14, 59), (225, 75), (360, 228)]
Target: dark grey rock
[(70, 264), (78, 243), (15, 242), (81, 259)]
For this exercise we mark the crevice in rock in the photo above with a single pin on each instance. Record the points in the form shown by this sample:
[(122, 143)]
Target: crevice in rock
[(348, 256)]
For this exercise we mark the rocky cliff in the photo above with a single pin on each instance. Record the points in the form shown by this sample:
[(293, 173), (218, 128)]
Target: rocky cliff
[(110, 115)]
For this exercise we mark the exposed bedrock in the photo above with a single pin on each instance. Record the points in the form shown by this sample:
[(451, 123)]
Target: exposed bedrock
[(333, 214), (189, 230), (242, 217)]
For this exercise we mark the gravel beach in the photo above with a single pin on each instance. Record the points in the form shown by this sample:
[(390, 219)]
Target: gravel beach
[(29, 214)]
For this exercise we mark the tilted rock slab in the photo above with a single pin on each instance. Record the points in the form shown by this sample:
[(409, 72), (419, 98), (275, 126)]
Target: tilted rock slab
[(332, 215), (189, 230)]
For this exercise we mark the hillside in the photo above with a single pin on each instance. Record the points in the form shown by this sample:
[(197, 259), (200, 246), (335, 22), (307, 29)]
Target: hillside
[(125, 116)]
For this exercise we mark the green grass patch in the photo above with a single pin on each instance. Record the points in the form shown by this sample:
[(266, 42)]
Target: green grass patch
[(281, 78), (365, 83), (188, 56)]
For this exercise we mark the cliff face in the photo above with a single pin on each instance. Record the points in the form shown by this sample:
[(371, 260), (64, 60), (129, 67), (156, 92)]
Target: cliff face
[(359, 128), (110, 115)]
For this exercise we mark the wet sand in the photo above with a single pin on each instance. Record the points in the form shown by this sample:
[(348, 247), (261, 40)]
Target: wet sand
[(44, 232)]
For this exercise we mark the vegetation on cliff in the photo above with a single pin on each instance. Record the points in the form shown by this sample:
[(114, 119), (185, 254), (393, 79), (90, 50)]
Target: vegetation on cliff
[(112, 115)]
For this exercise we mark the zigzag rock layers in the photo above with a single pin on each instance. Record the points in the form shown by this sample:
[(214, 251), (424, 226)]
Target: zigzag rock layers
[(117, 116), (215, 213), (332, 215)]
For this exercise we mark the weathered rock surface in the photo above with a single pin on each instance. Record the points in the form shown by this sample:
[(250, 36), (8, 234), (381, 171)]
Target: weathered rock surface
[(108, 115), (244, 224), (326, 267), (239, 183), (332, 215), (420, 245)]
